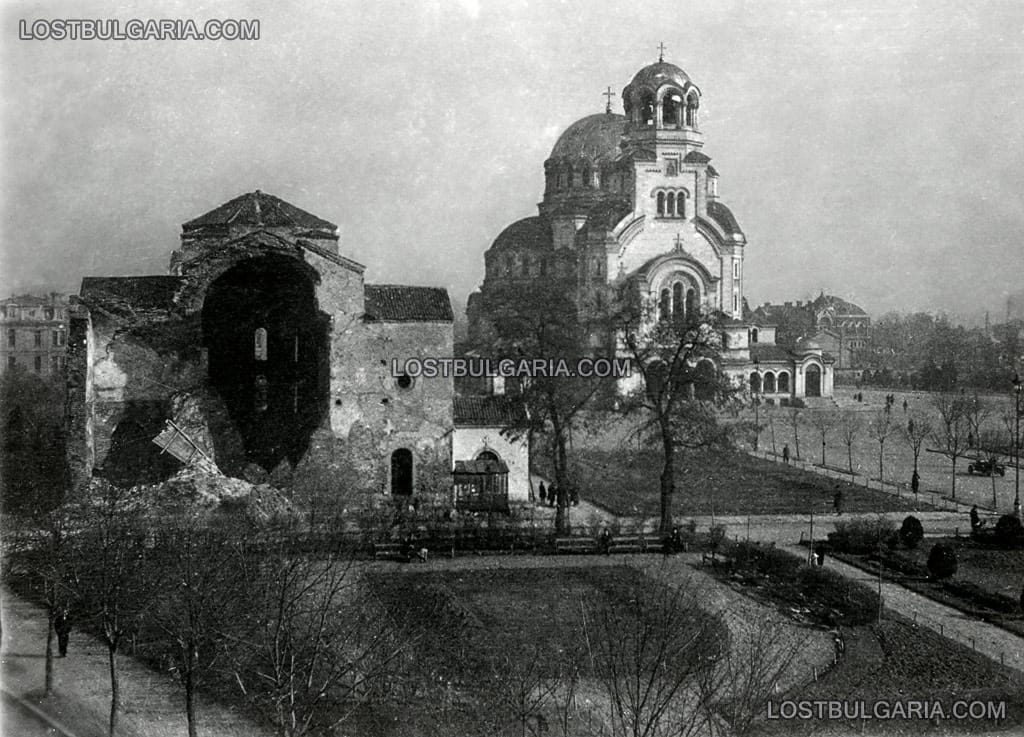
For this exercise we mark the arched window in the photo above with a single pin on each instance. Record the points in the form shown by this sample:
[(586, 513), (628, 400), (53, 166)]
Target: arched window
[(753, 335), (681, 204), (401, 472), (664, 304), (755, 382), (783, 381), (691, 110), (259, 344), (691, 302), (670, 206), (769, 383), (661, 204), (586, 175), (677, 300), (647, 109), (672, 110), (487, 455)]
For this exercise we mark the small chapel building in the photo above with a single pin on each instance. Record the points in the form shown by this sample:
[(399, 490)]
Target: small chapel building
[(632, 201)]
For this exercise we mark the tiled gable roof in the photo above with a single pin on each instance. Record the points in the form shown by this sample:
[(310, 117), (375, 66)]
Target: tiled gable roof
[(259, 208), (130, 293), (696, 157), (487, 411), (398, 303)]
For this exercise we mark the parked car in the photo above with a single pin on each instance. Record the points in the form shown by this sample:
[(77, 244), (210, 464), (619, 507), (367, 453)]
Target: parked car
[(986, 467)]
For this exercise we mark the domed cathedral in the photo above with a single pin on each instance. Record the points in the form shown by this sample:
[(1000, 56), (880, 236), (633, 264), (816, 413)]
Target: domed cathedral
[(632, 202)]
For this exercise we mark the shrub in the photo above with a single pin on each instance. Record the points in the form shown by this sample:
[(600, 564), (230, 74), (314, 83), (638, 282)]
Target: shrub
[(1009, 531), (716, 534), (766, 560), (942, 561), (861, 535), (912, 531)]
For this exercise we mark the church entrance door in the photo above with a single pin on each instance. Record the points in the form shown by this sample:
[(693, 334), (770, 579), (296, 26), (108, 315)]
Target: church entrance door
[(813, 384)]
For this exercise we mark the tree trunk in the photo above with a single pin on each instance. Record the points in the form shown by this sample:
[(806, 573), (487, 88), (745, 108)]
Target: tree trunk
[(561, 475), (115, 687), (822, 451), (954, 478), (849, 456), (668, 479), (190, 687), (881, 448)]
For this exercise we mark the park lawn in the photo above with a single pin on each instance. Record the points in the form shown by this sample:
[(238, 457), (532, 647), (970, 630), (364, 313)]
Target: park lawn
[(993, 569), (627, 482)]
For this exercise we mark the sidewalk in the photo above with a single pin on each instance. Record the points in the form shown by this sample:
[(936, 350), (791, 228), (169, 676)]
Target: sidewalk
[(152, 704), (995, 643)]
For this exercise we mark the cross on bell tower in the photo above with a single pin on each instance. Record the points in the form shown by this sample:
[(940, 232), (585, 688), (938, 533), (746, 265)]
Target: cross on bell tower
[(679, 242), (661, 52), (609, 94)]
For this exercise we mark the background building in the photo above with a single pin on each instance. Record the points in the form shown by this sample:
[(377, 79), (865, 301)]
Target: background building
[(631, 203), (34, 333)]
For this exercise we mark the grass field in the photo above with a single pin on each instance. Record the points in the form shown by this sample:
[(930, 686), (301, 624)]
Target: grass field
[(627, 482)]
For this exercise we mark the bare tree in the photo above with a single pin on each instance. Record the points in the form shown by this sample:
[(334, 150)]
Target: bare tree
[(759, 655), (918, 429), (823, 421), (681, 384), (650, 651), (952, 429), (311, 646), (794, 421), (881, 428), (116, 583), (851, 424), (204, 597)]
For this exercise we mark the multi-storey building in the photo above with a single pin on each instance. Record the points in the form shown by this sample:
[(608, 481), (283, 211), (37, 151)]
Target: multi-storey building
[(34, 333)]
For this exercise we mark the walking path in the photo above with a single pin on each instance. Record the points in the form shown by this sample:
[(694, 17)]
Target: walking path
[(989, 640), (152, 703)]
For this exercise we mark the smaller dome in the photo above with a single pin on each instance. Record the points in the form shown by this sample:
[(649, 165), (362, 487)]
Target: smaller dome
[(532, 232), (659, 73), (594, 137), (807, 345)]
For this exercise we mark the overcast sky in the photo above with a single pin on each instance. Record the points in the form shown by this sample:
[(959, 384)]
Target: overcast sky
[(873, 150)]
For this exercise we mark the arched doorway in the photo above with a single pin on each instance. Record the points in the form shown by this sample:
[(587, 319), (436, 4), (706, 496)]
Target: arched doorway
[(812, 386), (266, 349), (401, 472)]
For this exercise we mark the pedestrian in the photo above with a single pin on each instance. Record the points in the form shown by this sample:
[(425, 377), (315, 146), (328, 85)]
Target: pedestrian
[(552, 495), (574, 496), (785, 453), (910, 426), (675, 542), (819, 553), (604, 541), (62, 626), (975, 518), (837, 501), (915, 482), (905, 405), (543, 493)]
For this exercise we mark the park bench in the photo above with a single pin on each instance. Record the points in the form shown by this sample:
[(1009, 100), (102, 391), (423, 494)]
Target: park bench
[(634, 544), (388, 551), (575, 545)]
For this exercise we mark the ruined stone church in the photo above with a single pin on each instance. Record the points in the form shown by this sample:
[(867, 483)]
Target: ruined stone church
[(263, 351), (632, 202)]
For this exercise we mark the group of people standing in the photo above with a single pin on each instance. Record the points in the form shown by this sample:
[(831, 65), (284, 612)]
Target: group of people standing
[(553, 496)]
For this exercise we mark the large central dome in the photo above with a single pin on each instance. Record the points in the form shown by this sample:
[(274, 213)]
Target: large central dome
[(595, 137)]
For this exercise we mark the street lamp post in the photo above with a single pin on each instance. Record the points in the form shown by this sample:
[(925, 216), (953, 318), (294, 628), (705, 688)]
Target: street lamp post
[(1016, 446)]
